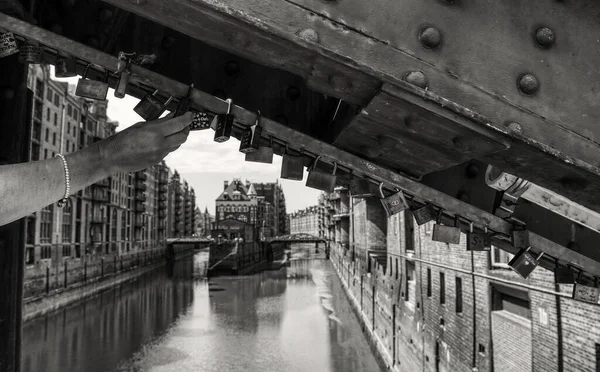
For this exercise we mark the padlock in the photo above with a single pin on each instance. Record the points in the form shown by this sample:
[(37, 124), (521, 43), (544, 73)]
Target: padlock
[(317, 179), (92, 88), (250, 141), (394, 203), (224, 124), (424, 214), (445, 234), (65, 67), (185, 104), (263, 155), (124, 77), (523, 263), (150, 107), (520, 238), (292, 166), (200, 120), (476, 241), (586, 292), (8, 44), (564, 275), (360, 188), (31, 53)]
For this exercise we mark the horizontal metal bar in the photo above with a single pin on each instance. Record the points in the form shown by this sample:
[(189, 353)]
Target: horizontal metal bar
[(329, 153)]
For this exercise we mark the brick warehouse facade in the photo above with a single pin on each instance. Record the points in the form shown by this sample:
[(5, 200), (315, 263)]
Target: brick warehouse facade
[(430, 306), (113, 224)]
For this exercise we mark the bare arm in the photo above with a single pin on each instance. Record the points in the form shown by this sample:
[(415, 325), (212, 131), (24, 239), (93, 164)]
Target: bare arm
[(28, 187)]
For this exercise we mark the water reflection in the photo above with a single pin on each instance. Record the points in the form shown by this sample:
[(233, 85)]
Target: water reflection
[(293, 319), (97, 334)]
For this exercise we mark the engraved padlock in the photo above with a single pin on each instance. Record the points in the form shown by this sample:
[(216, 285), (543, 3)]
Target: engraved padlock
[(263, 155), (292, 166), (124, 77), (8, 44), (65, 67), (200, 120), (317, 179), (92, 88), (250, 141), (151, 107), (224, 124), (424, 214), (523, 263), (564, 275), (394, 203), (31, 53), (587, 292), (445, 234), (476, 241), (360, 188), (520, 239)]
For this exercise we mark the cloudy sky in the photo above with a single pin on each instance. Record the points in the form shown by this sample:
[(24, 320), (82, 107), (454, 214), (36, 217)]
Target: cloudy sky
[(205, 164)]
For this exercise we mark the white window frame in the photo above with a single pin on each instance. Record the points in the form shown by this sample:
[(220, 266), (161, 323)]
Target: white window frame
[(500, 265)]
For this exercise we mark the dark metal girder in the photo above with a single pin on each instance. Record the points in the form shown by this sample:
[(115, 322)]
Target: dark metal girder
[(391, 180)]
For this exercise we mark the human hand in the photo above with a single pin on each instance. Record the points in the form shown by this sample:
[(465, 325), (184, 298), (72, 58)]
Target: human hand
[(144, 144)]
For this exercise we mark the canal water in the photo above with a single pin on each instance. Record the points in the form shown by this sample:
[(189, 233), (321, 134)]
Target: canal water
[(295, 319)]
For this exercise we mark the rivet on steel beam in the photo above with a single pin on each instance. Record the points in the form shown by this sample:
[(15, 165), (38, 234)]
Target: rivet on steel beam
[(232, 68), (528, 84), (309, 34), (416, 78), (340, 82), (514, 127), (8, 93), (472, 171), (292, 93), (105, 15), (430, 37), (544, 37), (281, 119)]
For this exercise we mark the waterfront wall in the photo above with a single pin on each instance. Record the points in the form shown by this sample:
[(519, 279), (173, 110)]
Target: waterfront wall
[(429, 306), (49, 287)]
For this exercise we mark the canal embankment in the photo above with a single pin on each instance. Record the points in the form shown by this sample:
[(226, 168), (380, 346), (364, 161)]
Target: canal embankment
[(48, 287)]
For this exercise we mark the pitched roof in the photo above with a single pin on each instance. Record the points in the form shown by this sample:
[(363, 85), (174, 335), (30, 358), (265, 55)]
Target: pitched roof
[(237, 187)]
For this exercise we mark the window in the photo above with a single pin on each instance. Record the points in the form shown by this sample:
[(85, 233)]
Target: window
[(39, 88), (411, 282), (47, 134), (46, 252), (38, 110), (45, 153), (53, 154), (56, 100), (68, 129), (442, 289), (54, 139), (46, 224), (73, 147), (69, 110), (391, 267), (76, 114), (428, 282), (29, 255), (459, 295), (409, 228), (242, 218), (499, 258), (396, 268), (49, 94), (35, 151), (48, 114), (68, 143), (67, 225), (55, 118)]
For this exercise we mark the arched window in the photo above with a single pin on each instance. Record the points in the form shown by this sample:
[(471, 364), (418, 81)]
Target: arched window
[(242, 218)]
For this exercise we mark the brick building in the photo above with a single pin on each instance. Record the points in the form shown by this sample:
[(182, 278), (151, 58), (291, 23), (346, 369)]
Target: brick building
[(273, 194), (120, 216), (204, 221), (310, 220), (433, 306)]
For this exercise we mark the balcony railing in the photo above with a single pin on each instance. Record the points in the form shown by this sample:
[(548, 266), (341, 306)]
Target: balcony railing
[(141, 176), (162, 205), (140, 207), (99, 196), (140, 197), (141, 185)]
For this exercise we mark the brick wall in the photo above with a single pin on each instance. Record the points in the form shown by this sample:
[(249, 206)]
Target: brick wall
[(512, 342), (416, 322)]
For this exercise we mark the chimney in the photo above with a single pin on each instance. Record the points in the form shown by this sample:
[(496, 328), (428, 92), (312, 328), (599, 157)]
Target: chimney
[(225, 184)]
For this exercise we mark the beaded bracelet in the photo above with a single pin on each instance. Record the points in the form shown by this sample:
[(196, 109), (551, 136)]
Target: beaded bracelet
[(65, 199)]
